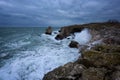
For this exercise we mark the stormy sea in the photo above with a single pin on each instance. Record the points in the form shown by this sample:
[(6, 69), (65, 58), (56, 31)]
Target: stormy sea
[(28, 53)]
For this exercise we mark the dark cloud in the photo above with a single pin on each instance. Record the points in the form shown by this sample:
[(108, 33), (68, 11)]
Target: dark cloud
[(56, 12)]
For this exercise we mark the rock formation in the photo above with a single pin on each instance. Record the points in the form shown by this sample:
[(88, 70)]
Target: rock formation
[(48, 30), (74, 44), (67, 31), (100, 62)]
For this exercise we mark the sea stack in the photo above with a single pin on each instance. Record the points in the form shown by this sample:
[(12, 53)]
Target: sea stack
[(48, 30)]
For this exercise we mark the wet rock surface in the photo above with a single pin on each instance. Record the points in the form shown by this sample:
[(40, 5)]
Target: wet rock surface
[(74, 44), (100, 62)]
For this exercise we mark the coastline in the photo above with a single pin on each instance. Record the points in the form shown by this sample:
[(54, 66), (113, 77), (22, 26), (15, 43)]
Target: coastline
[(99, 62)]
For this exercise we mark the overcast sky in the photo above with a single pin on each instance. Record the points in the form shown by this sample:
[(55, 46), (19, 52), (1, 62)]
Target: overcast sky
[(56, 12)]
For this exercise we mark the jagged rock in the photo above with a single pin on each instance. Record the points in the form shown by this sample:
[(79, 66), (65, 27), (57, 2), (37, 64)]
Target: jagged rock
[(49, 30), (85, 62), (116, 75), (117, 67), (101, 62), (95, 35), (94, 74), (113, 73), (98, 30), (59, 37), (67, 31), (74, 44), (70, 71), (112, 41), (107, 48), (100, 59)]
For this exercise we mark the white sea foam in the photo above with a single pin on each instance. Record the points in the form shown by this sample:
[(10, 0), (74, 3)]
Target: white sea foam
[(33, 64), (83, 37), (17, 44), (3, 54), (18, 41)]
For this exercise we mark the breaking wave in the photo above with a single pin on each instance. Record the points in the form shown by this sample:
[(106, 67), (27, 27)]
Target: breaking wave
[(31, 57)]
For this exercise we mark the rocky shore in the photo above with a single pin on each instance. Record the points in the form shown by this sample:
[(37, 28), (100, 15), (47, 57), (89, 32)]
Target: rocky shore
[(97, 61)]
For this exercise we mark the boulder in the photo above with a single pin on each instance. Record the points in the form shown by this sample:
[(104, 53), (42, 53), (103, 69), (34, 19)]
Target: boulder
[(113, 74), (94, 74), (48, 30), (59, 37), (74, 44), (70, 71), (100, 59)]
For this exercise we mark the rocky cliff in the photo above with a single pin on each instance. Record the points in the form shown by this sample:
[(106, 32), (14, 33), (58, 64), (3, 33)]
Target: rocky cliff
[(100, 62)]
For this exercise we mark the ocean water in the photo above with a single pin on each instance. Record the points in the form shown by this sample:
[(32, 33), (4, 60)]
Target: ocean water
[(28, 53)]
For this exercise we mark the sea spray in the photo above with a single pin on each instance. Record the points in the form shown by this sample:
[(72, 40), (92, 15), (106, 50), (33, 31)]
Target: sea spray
[(34, 56), (83, 37)]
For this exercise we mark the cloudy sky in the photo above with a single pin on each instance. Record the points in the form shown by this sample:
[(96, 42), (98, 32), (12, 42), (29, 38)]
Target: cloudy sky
[(56, 12)]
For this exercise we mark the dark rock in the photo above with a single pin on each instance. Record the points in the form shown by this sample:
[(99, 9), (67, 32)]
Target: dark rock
[(102, 59), (64, 78), (70, 71), (74, 44), (48, 31), (59, 37), (107, 48), (117, 67), (112, 41), (67, 31), (94, 74), (85, 62), (116, 75)]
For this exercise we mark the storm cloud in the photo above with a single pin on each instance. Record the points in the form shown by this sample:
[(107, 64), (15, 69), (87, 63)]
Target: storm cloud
[(56, 12)]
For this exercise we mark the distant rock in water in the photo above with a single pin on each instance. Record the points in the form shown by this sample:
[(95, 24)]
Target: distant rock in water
[(48, 30)]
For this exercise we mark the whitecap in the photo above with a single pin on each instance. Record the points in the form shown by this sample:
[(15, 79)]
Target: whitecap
[(83, 37), (17, 44), (35, 63)]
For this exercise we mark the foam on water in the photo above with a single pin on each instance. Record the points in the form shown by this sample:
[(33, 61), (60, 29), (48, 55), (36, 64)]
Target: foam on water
[(83, 37), (33, 64), (17, 44)]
